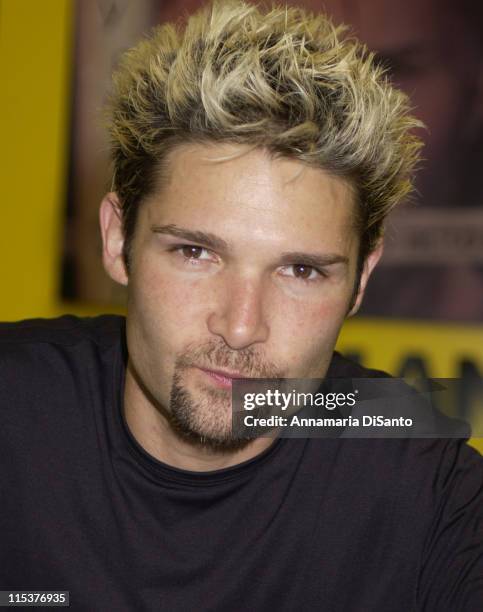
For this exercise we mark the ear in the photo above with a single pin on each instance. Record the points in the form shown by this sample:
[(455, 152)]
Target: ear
[(112, 238), (369, 265)]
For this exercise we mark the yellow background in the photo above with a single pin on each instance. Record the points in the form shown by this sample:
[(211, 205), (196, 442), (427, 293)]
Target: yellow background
[(36, 55)]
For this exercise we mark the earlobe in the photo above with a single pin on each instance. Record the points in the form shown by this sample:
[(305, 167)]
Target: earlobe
[(369, 265), (112, 238)]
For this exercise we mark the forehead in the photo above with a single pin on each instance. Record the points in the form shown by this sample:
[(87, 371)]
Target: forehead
[(240, 192)]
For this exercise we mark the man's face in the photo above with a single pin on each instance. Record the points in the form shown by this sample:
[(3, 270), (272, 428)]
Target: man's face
[(238, 268)]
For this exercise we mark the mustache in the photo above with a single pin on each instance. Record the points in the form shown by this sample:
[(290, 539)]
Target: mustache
[(213, 355)]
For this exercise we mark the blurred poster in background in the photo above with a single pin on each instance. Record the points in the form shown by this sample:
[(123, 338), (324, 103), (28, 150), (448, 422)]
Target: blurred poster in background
[(103, 30), (433, 262), (432, 268)]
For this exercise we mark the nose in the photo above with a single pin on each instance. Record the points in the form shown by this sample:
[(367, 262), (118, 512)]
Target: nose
[(238, 316)]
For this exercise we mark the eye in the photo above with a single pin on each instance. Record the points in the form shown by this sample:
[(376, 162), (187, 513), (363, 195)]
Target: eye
[(193, 252), (302, 272)]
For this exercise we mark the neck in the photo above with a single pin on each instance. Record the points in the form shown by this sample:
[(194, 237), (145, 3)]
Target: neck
[(154, 434)]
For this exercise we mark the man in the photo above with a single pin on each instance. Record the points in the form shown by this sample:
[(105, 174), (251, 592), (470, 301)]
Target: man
[(256, 155)]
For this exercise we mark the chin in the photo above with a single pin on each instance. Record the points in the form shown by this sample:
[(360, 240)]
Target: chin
[(204, 421)]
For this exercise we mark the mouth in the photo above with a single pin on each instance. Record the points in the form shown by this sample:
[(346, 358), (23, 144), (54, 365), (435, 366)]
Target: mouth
[(221, 378)]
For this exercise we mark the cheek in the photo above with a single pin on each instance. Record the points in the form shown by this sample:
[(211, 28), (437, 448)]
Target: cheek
[(166, 309), (306, 333), (161, 322)]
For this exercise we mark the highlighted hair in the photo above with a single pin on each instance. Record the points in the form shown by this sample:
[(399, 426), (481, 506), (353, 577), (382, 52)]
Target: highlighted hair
[(283, 80)]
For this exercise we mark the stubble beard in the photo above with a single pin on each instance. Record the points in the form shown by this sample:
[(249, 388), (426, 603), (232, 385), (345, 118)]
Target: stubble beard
[(204, 417)]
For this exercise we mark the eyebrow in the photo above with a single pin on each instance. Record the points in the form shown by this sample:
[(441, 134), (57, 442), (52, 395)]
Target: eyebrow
[(216, 243), (205, 238), (314, 260)]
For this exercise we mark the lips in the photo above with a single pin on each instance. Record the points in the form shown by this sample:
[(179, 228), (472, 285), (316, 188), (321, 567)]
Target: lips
[(221, 378)]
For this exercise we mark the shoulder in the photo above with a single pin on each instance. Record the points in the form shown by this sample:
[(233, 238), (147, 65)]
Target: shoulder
[(418, 457), (40, 356), (57, 378), (62, 331), (444, 463), (451, 562)]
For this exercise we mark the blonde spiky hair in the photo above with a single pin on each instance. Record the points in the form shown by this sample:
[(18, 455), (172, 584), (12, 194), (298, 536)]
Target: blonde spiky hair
[(282, 79)]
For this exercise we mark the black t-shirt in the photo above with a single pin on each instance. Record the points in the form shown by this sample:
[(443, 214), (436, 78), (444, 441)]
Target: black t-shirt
[(332, 524)]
